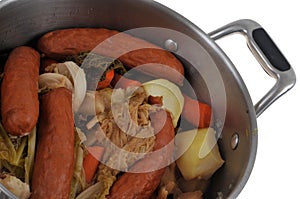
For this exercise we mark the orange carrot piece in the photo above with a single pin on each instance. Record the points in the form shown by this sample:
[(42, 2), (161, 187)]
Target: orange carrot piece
[(120, 81), (197, 113), (91, 162), (108, 77)]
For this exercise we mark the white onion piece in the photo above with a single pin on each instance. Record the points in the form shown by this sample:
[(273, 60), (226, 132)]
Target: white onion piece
[(87, 107), (77, 76), (53, 81)]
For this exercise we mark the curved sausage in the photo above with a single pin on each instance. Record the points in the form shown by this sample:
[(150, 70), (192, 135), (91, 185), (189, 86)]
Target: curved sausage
[(53, 168), (19, 91), (130, 50), (142, 185)]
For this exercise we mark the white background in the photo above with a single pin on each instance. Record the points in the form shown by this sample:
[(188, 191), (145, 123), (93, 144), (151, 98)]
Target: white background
[(276, 172)]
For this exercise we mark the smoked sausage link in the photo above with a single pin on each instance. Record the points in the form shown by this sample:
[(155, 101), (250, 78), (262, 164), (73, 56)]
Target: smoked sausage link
[(142, 185), (19, 91), (130, 50), (53, 168)]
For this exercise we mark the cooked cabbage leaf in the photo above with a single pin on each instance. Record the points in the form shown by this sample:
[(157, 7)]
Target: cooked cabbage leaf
[(29, 160), (14, 155), (78, 180), (7, 150), (6, 167), (17, 154)]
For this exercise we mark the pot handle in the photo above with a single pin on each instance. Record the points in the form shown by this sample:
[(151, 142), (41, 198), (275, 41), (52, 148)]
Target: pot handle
[(267, 54)]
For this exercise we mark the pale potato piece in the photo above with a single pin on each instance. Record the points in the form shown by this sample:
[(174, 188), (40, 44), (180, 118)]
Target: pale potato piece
[(202, 157)]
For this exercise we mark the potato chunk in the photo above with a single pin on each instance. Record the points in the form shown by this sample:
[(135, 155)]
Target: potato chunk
[(201, 157)]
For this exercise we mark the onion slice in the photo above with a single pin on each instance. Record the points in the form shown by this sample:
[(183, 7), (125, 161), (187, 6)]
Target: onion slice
[(76, 81), (77, 76), (53, 81)]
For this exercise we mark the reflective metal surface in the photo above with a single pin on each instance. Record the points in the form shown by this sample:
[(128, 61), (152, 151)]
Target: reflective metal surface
[(285, 80)]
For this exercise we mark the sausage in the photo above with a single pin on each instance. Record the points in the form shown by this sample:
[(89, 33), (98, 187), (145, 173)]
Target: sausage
[(130, 50), (53, 168), (142, 185), (19, 91)]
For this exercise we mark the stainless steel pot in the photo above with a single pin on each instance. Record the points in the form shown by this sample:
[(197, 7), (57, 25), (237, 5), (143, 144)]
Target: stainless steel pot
[(21, 22)]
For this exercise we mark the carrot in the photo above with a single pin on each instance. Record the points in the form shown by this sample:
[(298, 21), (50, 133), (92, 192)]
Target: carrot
[(197, 113), (120, 81), (108, 77), (91, 162)]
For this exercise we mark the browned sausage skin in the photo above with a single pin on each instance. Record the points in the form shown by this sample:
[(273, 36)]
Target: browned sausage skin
[(142, 185), (54, 161), (19, 91), (129, 50)]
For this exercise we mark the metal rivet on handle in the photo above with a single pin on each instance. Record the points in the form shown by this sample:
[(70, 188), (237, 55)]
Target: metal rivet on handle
[(171, 45), (234, 141)]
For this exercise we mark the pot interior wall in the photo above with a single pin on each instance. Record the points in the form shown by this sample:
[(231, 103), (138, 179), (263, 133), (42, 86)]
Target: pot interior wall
[(22, 22)]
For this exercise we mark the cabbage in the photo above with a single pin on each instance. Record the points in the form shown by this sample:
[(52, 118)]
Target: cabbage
[(7, 149), (14, 155), (11, 169), (29, 160), (78, 179)]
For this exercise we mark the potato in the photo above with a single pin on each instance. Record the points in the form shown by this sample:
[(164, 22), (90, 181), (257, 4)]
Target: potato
[(201, 157)]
